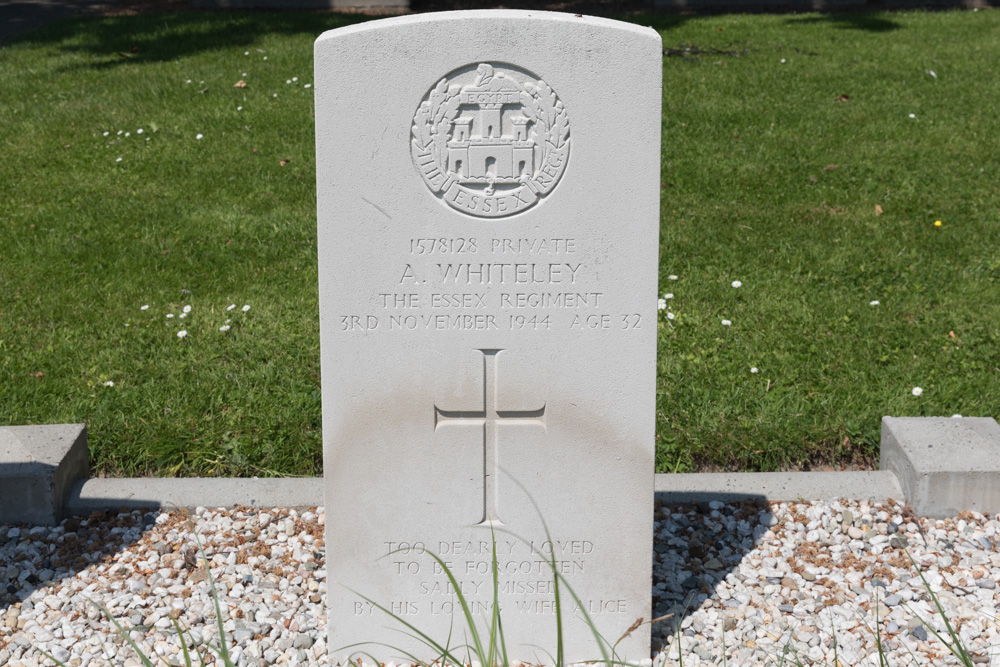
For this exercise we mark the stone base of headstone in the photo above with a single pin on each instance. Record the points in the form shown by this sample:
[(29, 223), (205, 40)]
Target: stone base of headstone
[(38, 467), (944, 465)]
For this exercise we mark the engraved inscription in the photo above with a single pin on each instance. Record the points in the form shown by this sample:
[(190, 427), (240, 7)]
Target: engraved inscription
[(490, 140), (526, 584), (488, 418), (446, 286)]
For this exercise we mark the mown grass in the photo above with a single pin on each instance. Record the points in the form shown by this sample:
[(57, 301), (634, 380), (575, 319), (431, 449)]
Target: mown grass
[(769, 177)]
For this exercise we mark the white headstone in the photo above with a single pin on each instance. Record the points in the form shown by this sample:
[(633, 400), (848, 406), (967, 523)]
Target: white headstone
[(488, 210)]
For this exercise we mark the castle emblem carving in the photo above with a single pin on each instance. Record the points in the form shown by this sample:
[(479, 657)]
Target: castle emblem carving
[(490, 140)]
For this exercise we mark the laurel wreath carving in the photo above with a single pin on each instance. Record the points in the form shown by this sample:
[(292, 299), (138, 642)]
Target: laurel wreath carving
[(431, 123), (549, 114), (433, 120)]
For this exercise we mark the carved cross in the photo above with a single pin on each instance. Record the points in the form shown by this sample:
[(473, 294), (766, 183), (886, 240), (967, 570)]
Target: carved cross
[(489, 418)]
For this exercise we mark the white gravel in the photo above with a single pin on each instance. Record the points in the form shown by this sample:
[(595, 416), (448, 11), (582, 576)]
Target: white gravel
[(756, 582), (143, 568), (823, 582)]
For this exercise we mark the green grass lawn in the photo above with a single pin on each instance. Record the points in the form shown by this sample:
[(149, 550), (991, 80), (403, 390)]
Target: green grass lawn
[(781, 135)]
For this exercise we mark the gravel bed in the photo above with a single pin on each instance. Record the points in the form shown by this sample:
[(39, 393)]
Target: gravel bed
[(760, 583), (823, 582), (267, 566)]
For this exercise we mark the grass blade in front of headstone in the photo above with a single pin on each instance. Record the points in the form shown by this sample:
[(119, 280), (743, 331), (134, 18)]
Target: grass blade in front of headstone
[(444, 654), (956, 647), (606, 657), (135, 647), (184, 648), (221, 650), (497, 642)]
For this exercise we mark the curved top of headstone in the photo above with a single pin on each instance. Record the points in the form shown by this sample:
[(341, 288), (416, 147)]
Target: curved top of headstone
[(488, 16)]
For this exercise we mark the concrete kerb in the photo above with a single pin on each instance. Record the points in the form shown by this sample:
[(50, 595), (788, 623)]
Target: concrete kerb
[(112, 494), (778, 486), (89, 495), (941, 466)]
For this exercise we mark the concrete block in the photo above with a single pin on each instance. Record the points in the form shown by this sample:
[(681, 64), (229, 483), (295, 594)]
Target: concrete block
[(38, 466), (944, 465)]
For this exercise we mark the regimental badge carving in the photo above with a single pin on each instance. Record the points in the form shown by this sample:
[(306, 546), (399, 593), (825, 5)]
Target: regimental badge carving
[(491, 140)]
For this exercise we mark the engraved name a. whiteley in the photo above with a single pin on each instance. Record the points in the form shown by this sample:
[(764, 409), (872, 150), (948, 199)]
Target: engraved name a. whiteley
[(490, 140)]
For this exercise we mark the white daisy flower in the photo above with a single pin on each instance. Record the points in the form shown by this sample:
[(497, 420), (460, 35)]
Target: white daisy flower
[(106, 133), (661, 304), (224, 327), (199, 137), (146, 307), (230, 307), (246, 53), (956, 416), (295, 78), (239, 108), (170, 316), (670, 315), (727, 323), (120, 132), (287, 81), (183, 315), (265, 57), (187, 309), (913, 115), (916, 391), (246, 308), (118, 160), (182, 334), (737, 283), (671, 277), (668, 295), (308, 85), (128, 134), (109, 383), (873, 303), (139, 131), (754, 370)]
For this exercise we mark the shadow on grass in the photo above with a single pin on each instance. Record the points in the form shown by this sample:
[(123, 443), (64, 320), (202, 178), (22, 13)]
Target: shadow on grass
[(112, 41), (19, 17), (851, 21)]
